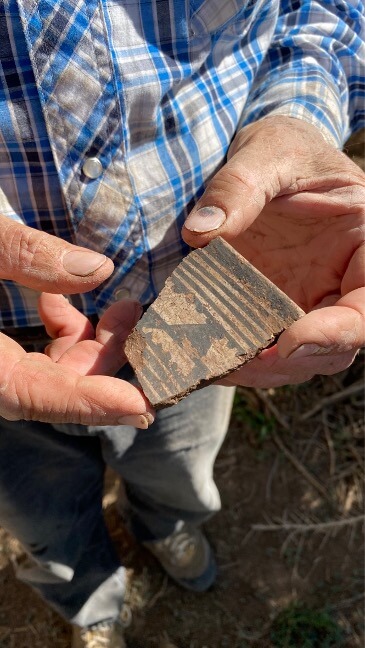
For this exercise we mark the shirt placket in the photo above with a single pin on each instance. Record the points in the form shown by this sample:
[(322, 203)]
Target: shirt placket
[(69, 51)]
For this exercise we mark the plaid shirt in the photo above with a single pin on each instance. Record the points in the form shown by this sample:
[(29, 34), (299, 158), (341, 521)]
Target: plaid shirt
[(154, 90)]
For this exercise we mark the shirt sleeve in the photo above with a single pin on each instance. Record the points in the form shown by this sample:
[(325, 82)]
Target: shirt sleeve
[(314, 69)]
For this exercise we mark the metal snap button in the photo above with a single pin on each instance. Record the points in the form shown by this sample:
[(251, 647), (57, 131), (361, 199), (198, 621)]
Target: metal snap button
[(122, 293), (92, 168)]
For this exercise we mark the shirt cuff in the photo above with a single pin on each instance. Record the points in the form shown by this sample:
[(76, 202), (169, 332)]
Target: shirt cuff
[(306, 94)]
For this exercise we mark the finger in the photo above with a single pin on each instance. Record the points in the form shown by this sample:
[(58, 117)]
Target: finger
[(270, 371), (331, 330), (231, 202), (355, 273), (105, 354), (46, 263), (33, 388), (113, 330), (64, 323)]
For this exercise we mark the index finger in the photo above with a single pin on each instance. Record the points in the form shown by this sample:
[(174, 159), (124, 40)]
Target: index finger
[(104, 354), (46, 263)]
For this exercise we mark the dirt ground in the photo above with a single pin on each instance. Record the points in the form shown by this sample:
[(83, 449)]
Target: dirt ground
[(289, 538)]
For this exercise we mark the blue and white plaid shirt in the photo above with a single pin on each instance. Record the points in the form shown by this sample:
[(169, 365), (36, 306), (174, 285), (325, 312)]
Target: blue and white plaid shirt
[(155, 90)]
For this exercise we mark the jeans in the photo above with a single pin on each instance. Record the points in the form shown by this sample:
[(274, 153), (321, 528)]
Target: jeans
[(51, 486)]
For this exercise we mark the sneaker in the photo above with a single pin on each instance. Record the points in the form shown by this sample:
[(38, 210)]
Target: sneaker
[(101, 635), (187, 558)]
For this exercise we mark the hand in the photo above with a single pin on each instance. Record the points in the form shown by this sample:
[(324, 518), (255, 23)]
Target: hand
[(71, 382), (295, 208)]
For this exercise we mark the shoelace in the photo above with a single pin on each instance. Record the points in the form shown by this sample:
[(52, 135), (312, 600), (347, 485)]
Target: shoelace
[(96, 640), (178, 545)]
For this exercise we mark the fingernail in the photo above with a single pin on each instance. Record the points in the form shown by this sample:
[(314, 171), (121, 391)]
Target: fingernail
[(205, 219), (141, 421), (306, 350), (82, 263)]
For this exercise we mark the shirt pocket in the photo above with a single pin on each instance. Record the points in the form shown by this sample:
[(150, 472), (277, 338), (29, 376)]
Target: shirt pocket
[(215, 16)]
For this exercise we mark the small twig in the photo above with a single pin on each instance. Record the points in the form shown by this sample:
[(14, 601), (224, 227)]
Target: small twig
[(158, 594), (350, 498), (331, 451), (316, 561), (289, 455), (352, 537), (355, 453), (309, 443), (299, 466), (295, 571), (333, 398), (324, 541), (270, 479), (347, 602), (315, 526), (345, 473), (246, 538), (273, 409), (254, 636), (286, 543), (250, 495)]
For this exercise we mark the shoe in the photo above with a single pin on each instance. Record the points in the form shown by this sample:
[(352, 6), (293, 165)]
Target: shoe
[(101, 635), (187, 558)]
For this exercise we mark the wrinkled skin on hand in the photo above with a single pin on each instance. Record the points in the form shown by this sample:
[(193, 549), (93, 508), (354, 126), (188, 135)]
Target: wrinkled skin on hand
[(295, 208), (72, 382)]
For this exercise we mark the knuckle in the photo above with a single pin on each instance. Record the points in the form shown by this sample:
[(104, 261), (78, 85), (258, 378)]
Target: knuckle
[(242, 178), (19, 246), (22, 399), (26, 247), (10, 408)]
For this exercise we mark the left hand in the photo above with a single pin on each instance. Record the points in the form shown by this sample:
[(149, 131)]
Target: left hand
[(294, 206), (73, 380)]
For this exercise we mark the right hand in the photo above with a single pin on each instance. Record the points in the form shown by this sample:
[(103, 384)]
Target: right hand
[(294, 207), (72, 381)]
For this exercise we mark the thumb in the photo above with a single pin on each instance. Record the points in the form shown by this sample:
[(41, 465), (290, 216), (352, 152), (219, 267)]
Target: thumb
[(45, 263), (231, 202), (265, 159)]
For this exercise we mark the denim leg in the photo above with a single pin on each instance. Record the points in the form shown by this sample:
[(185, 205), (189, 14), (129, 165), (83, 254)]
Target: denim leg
[(168, 469), (51, 488), (50, 499)]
